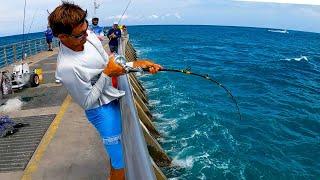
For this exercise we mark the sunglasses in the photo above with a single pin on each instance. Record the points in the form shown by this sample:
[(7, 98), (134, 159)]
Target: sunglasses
[(82, 34)]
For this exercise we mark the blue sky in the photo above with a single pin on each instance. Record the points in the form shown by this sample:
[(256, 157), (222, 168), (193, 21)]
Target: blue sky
[(301, 15)]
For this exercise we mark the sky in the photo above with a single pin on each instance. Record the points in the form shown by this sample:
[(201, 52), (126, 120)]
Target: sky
[(303, 15)]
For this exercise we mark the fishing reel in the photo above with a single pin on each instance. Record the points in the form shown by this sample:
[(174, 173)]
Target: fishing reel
[(121, 60)]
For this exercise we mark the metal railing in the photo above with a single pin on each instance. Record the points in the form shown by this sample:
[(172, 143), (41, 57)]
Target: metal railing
[(12, 53)]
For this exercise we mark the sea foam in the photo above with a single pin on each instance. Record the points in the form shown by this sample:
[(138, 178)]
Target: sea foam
[(278, 31), (301, 58), (185, 163)]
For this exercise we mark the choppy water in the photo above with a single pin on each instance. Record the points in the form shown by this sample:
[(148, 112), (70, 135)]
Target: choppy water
[(276, 80)]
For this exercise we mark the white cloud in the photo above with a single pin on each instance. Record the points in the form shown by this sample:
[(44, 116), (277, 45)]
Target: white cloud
[(117, 17), (153, 16), (177, 15), (302, 2), (169, 15)]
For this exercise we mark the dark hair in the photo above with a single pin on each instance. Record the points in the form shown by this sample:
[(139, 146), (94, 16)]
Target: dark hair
[(65, 17)]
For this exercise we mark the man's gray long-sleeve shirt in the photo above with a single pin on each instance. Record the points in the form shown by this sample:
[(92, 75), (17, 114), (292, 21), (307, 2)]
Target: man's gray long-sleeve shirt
[(78, 70)]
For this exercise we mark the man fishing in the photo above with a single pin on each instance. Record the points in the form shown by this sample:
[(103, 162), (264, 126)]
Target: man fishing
[(85, 69)]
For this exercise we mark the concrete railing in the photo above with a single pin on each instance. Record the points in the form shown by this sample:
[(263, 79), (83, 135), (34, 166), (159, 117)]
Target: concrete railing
[(12, 53)]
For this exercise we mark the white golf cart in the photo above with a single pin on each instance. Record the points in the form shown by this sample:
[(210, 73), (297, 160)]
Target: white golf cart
[(19, 78), (22, 77)]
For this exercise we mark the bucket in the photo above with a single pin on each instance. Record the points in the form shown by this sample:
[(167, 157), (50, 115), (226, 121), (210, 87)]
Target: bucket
[(38, 71)]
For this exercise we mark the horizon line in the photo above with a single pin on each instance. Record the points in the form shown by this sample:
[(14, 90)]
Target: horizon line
[(238, 26)]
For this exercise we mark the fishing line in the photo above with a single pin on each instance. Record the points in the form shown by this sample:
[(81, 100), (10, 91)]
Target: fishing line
[(124, 11), (121, 61), (34, 15), (207, 77)]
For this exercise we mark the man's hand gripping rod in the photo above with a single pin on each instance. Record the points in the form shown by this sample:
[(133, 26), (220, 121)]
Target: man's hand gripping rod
[(121, 60)]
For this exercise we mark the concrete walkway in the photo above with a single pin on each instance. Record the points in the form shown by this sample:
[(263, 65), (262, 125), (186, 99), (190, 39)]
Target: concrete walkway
[(75, 152), (71, 147)]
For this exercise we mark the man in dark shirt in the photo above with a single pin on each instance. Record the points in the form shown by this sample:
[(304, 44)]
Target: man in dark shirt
[(114, 35)]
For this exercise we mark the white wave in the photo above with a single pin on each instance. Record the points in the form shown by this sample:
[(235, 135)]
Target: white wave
[(11, 105), (168, 124), (202, 177), (165, 105), (187, 116), (185, 163), (222, 165), (301, 58), (195, 133), (141, 51), (204, 156), (158, 115), (154, 102), (149, 90), (283, 31), (242, 171), (138, 52), (183, 101), (144, 74), (148, 84), (169, 87), (219, 47), (226, 134), (183, 142), (166, 140)]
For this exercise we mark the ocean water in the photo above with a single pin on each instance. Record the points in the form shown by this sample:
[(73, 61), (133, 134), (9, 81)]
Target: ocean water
[(13, 47), (275, 78), (20, 38)]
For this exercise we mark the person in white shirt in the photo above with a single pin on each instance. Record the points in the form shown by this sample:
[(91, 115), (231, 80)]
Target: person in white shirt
[(85, 69)]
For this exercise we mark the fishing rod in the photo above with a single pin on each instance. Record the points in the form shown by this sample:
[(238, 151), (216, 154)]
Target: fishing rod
[(34, 15), (124, 11), (23, 32), (121, 61)]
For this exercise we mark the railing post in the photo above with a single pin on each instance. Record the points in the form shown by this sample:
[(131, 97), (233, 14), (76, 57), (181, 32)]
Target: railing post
[(40, 45), (35, 47), (14, 53), (29, 48), (5, 55)]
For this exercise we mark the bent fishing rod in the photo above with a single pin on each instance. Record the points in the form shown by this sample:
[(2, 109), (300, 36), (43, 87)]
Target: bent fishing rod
[(121, 61), (124, 11)]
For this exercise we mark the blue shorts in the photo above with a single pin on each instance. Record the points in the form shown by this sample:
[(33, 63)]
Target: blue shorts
[(49, 40), (107, 120)]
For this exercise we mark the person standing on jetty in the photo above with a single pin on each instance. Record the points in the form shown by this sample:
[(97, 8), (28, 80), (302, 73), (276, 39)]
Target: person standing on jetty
[(49, 37), (114, 35), (124, 38), (85, 69), (96, 28)]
